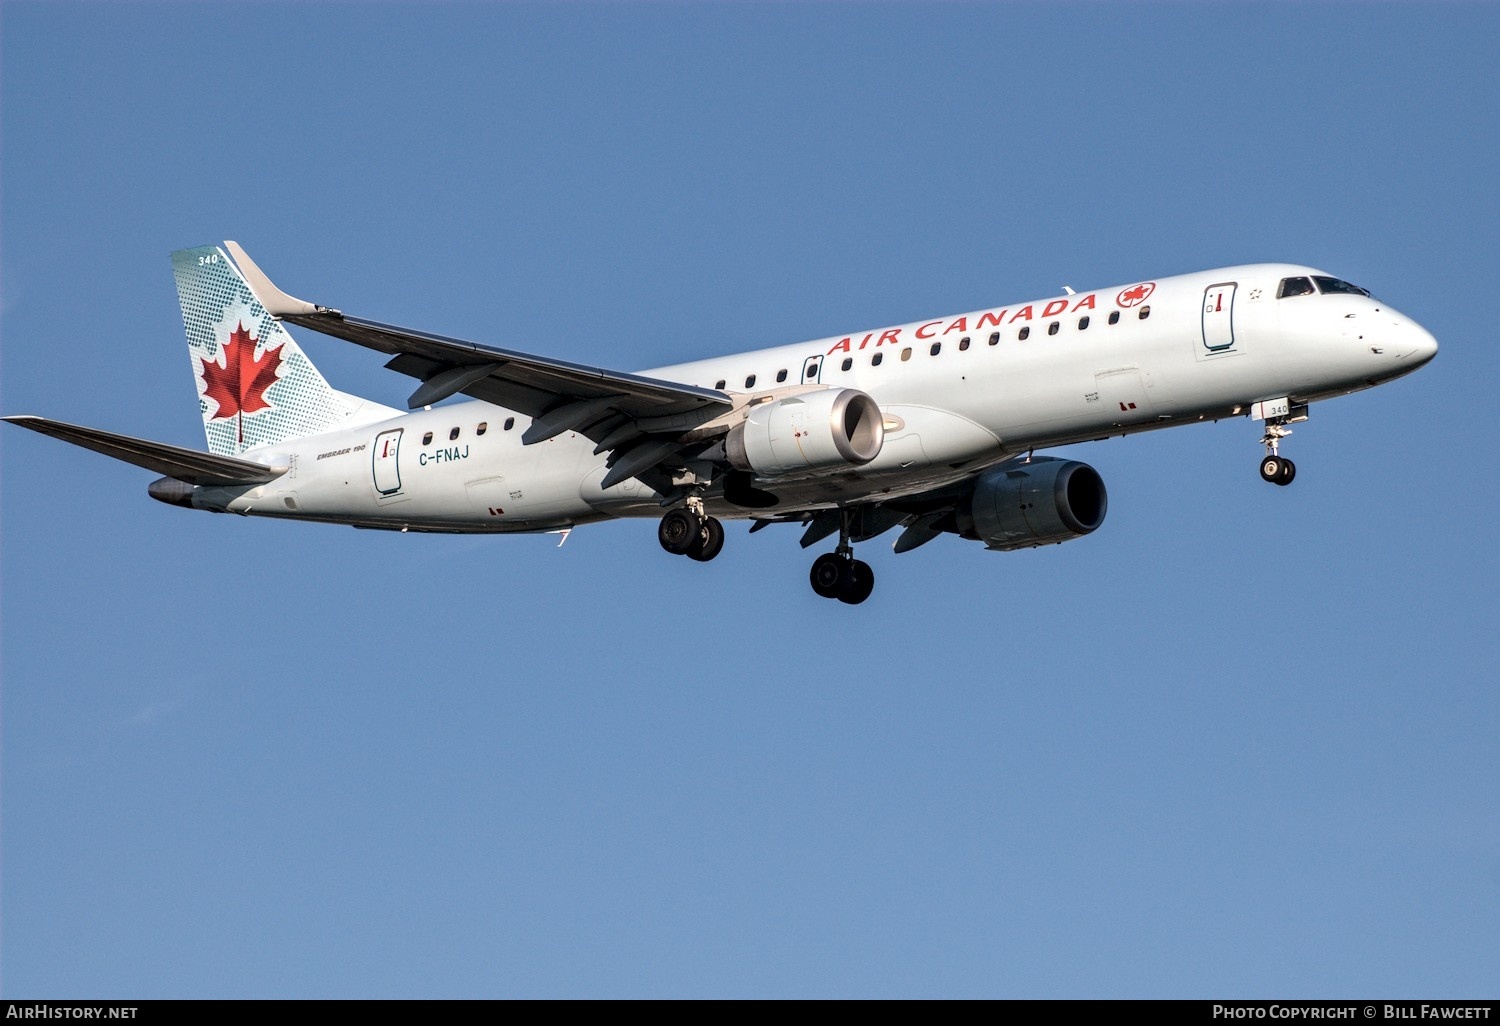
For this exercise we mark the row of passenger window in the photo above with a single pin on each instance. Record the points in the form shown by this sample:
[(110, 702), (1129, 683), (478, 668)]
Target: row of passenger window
[(750, 381), (937, 347), (484, 426)]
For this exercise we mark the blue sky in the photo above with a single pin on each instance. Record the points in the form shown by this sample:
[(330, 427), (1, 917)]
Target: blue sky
[(1239, 742)]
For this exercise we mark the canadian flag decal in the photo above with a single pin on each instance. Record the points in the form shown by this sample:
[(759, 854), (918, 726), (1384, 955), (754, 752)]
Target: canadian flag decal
[(238, 384)]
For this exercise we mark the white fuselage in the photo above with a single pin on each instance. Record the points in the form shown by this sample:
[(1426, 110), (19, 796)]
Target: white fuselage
[(1183, 349)]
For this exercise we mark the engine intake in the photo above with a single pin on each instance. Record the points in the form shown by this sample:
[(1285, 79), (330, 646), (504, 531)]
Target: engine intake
[(1043, 502), (816, 432)]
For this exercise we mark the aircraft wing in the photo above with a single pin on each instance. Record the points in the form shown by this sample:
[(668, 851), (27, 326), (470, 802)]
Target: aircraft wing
[(189, 465), (604, 405)]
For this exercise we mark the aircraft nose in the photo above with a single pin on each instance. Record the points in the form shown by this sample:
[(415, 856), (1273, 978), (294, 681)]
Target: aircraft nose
[(1417, 345)]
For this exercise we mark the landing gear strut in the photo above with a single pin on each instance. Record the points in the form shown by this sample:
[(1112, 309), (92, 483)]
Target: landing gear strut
[(838, 574), (1275, 467), (691, 532)]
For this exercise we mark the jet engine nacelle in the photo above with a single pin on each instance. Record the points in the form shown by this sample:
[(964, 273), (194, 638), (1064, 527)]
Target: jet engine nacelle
[(1041, 502), (815, 432)]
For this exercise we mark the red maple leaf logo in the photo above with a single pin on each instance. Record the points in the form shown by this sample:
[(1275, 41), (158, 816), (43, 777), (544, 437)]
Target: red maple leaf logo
[(239, 385), (1136, 294)]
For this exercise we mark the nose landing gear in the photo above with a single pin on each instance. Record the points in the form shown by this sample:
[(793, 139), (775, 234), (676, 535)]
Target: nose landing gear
[(838, 574), (1275, 467)]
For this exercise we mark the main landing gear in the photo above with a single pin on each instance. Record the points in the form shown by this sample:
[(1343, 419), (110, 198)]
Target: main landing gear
[(838, 574), (1275, 467), (691, 532)]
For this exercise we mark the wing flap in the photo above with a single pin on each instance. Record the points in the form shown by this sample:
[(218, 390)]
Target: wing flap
[(186, 465)]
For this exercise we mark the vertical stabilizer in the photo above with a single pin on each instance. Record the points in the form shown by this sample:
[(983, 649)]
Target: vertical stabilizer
[(255, 385)]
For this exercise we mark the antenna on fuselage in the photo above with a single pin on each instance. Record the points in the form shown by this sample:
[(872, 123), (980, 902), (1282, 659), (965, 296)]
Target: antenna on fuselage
[(1069, 290)]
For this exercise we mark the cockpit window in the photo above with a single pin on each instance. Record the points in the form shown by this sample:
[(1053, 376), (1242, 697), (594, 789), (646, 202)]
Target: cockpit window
[(1295, 287), (1327, 285)]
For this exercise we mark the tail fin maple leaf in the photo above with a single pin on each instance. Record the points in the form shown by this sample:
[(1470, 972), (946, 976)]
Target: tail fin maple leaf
[(239, 386)]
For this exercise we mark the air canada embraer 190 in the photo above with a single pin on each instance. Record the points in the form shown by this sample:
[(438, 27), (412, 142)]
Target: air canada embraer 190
[(930, 427)]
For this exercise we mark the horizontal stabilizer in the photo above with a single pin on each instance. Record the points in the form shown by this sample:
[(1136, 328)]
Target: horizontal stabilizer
[(188, 465)]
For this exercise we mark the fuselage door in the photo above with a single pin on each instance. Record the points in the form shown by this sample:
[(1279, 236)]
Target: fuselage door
[(384, 462), (1218, 317), (811, 369)]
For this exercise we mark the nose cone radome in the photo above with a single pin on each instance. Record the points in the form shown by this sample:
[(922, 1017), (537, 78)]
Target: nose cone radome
[(1418, 346)]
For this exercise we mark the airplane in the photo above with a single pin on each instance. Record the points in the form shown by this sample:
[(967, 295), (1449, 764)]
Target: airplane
[(930, 426)]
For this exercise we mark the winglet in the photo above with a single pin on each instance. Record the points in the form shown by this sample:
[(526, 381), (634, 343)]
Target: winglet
[(277, 302)]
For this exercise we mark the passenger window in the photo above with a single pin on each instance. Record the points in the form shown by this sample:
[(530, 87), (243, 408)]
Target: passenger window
[(1114, 317), (510, 422), (750, 381), (937, 347), (963, 343), (781, 375), (720, 384), (1024, 333), (427, 438), (906, 354), (1145, 312), (1052, 328), (875, 360), (994, 338), (847, 364), (1083, 323), (484, 426), (452, 435), (1294, 287)]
